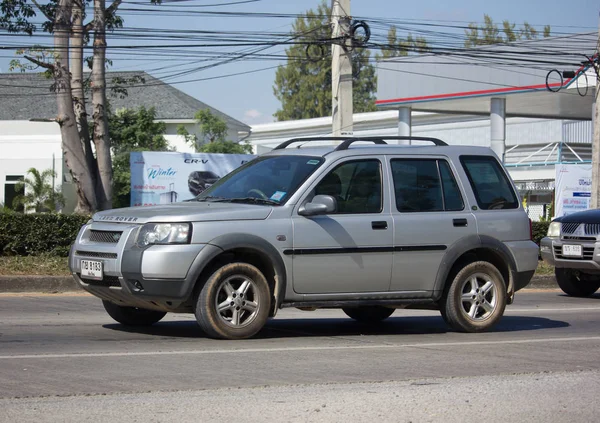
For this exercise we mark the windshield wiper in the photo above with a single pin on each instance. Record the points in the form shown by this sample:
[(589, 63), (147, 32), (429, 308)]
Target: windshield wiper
[(211, 198), (253, 200)]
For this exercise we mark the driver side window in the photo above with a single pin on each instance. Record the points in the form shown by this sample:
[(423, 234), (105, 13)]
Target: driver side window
[(356, 186)]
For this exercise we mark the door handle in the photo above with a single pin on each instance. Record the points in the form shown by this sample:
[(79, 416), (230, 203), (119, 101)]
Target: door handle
[(379, 224), (460, 222)]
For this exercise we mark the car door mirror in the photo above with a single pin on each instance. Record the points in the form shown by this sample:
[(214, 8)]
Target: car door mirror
[(320, 204)]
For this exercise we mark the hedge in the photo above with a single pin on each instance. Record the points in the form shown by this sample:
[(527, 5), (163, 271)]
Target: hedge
[(39, 233), (540, 229)]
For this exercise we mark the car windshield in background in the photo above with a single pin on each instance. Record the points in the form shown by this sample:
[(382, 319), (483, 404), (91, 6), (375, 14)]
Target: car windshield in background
[(266, 180)]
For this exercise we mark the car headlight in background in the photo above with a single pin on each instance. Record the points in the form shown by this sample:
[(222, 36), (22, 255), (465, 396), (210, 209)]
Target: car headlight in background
[(164, 233), (554, 230)]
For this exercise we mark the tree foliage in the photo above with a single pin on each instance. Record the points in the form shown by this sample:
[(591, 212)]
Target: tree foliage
[(132, 130), (489, 33), (398, 46), (303, 85), (226, 147), (213, 134), (39, 195)]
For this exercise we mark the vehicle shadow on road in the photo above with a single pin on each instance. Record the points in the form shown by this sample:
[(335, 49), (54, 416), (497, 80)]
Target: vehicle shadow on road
[(339, 327)]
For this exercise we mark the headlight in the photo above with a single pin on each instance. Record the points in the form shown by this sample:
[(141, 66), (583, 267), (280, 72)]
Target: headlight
[(554, 230), (164, 233)]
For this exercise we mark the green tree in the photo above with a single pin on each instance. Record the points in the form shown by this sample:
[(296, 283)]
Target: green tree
[(65, 20), (39, 193), (489, 33), (401, 46), (213, 133), (132, 130), (303, 85)]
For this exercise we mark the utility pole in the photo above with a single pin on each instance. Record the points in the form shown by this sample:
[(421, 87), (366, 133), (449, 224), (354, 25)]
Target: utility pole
[(595, 203), (341, 70)]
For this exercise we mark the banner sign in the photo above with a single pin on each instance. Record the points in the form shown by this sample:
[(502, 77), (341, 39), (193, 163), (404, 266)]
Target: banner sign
[(165, 177), (573, 189)]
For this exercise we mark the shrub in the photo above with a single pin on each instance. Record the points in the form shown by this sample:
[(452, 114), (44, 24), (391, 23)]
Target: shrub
[(540, 229), (38, 233)]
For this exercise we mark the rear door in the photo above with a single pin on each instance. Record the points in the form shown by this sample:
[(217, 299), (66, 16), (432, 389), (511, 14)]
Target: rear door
[(430, 214)]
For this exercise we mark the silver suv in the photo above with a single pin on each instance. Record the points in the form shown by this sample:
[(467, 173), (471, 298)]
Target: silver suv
[(362, 227)]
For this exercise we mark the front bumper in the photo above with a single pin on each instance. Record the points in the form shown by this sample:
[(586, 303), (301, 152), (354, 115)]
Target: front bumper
[(160, 277), (551, 252)]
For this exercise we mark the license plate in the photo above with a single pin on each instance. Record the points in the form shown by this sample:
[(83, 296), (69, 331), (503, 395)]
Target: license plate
[(572, 250), (91, 269)]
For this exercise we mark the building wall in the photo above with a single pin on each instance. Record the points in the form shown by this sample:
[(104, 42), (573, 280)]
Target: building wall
[(24, 145)]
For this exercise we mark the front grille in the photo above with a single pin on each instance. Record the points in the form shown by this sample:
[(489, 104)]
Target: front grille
[(592, 228), (106, 281), (96, 254), (569, 228), (588, 253), (111, 237), (579, 238)]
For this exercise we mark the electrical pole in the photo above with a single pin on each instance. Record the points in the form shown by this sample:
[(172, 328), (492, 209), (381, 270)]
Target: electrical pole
[(595, 203), (341, 69)]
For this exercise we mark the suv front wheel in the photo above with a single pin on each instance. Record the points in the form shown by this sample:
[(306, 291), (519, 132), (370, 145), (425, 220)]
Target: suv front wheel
[(475, 299), (234, 302)]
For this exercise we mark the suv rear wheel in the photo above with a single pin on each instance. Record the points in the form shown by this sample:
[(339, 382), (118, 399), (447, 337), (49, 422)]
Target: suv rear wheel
[(234, 302), (371, 314), (132, 316), (575, 284), (475, 299)]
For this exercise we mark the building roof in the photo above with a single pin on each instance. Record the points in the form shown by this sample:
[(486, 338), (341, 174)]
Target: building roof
[(463, 81), (26, 96)]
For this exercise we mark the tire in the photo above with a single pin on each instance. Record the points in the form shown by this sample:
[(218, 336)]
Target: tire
[(371, 314), (244, 297), (132, 316), (466, 307), (575, 284)]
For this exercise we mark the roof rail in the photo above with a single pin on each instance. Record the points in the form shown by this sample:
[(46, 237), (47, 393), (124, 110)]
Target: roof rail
[(438, 142), (308, 139), (347, 141)]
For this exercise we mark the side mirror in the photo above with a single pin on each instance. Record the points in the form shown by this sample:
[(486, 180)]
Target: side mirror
[(320, 204)]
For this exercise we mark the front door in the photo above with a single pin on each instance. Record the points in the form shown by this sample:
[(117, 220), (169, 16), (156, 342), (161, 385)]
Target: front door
[(349, 250)]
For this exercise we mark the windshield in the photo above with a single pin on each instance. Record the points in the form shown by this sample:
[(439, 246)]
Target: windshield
[(267, 180)]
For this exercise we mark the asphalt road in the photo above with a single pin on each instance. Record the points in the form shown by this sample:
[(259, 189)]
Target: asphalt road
[(63, 359)]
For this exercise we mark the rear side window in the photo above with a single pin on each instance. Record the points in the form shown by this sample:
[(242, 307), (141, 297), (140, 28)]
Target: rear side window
[(490, 184), (425, 186)]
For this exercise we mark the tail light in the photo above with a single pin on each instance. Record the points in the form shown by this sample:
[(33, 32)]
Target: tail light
[(530, 230)]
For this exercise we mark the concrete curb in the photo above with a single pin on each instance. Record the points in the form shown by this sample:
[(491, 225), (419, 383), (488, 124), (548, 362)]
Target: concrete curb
[(46, 284), (59, 284)]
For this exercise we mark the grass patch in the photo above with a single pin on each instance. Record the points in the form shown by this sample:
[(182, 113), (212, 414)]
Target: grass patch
[(34, 265), (544, 269)]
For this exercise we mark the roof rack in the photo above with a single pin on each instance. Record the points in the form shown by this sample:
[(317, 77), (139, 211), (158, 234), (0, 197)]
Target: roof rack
[(347, 141), (308, 139)]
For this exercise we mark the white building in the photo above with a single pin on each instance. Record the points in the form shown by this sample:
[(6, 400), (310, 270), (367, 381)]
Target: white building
[(29, 138)]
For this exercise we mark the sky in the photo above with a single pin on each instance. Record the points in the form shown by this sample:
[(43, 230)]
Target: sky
[(249, 96)]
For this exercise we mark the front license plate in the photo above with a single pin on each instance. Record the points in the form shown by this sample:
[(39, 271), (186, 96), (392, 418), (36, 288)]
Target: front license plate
[(572, 250), (91, 269)]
